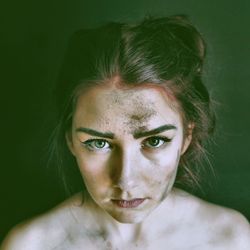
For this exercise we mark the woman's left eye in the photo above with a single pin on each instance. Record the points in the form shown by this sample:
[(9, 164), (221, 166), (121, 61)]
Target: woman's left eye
[(155, 142)]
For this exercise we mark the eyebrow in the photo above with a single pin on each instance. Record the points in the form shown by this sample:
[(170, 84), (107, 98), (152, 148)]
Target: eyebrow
[(89, 131), (140, 134), (136, 135)]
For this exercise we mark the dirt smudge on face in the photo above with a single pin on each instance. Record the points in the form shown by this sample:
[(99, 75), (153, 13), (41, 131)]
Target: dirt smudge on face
[(134, 111), (171, 177), (138, 114), (138, 121)]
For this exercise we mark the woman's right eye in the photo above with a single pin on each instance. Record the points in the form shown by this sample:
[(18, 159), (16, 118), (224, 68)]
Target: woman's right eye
[(96, 144)]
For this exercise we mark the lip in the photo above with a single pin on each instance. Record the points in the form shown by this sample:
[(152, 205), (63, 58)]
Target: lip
[(129, 203)]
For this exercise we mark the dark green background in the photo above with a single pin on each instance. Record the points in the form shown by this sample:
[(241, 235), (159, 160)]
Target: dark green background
[(33, 39)]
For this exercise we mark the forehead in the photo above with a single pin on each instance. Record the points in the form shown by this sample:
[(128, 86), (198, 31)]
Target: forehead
[(131, 108)]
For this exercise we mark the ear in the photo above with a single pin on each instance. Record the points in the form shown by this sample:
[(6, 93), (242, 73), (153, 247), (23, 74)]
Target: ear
[(68, 138), (188, 138)]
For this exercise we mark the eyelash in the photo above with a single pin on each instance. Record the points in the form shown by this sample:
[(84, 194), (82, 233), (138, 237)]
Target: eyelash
[(162, 140), (90, 147)]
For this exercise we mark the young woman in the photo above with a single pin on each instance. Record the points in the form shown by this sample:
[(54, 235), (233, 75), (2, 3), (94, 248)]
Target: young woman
[(134, 116)]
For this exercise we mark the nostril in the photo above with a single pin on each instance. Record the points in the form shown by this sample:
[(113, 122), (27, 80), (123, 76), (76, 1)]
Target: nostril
[(125, 185)]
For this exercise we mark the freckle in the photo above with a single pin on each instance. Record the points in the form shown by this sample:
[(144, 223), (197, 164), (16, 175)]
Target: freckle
[(109, 245), (228, 232), (137, 117), (107, 122)]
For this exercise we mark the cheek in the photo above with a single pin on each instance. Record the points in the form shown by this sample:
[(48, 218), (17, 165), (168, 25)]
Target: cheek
[(93, 171), (162, 171)]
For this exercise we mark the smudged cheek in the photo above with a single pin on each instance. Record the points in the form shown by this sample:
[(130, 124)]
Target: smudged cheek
[(160, 175)]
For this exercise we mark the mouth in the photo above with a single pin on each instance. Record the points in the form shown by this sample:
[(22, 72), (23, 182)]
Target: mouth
[(129, 203)]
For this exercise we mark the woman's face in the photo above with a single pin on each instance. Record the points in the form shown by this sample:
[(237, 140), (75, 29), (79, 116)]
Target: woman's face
[(127, 143)]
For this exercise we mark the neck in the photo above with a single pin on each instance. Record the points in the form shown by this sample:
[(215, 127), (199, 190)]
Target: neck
[(125, 232)]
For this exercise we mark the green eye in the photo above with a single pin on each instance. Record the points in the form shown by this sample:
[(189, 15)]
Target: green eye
[(96, 144), (155, 142), (99, 144)]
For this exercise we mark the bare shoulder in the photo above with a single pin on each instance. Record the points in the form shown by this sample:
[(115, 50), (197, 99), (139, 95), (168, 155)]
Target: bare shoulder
[(44, 232), (223, 226)]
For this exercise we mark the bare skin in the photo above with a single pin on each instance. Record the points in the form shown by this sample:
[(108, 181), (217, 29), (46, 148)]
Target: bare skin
[(192, 224), (128, 144)]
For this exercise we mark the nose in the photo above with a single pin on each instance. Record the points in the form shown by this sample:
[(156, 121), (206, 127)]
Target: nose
[(123, 169)]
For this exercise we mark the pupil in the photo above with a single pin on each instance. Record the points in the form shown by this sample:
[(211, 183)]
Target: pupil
[(99, 144), (154, 141)]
